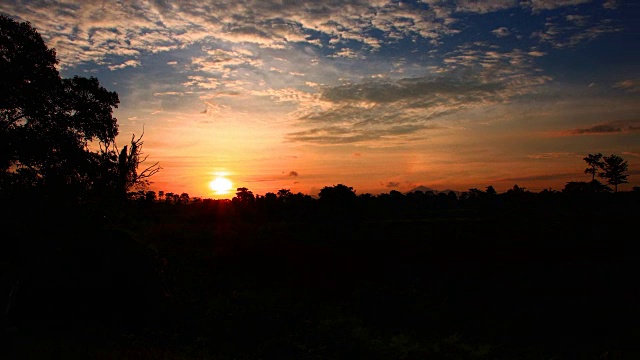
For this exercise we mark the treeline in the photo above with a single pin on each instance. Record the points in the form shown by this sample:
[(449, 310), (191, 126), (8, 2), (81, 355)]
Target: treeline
[(342, 203)]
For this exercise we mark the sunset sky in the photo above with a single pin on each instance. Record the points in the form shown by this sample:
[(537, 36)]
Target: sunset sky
[(377, 95)]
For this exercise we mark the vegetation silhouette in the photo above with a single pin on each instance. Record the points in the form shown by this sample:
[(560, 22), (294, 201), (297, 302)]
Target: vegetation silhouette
[(95, 265), (614, 170)]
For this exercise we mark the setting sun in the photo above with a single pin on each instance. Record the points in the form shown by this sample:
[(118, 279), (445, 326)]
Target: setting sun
[(221, 185)]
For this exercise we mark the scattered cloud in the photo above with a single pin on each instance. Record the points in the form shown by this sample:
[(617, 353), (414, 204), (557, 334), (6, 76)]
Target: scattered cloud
[(531, 178), (632, 86), (611, 4), (306, 57), (551, 155), (571, 30), (612, 127), (128, 63), (169, 93), (482, 7), (377, 109), (344, 135), (501, 32), (537, 5), (536, 53), (293, 173)]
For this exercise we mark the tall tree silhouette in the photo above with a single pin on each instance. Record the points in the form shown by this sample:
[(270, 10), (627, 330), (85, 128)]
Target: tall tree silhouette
[(595, 162), (614, 170)]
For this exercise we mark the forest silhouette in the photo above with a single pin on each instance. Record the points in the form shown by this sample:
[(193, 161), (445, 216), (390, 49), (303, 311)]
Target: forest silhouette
[(95, 265)]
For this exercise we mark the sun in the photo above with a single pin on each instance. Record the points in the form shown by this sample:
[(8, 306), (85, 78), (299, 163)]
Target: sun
[(221, 185)]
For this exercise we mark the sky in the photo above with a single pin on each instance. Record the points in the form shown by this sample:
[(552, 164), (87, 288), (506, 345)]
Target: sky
[(377, 95)]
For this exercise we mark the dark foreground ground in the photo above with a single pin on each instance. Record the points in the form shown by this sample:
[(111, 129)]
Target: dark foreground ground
[(178, 284)]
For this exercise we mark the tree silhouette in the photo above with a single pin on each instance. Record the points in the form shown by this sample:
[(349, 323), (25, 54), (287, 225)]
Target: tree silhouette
[(614, 170), (284, 194), (48, 124), (244, 196), (337, 195), (595, 162), (129, 161), (582, 187), (517, 190), (338, 203), (150, 196), (29, 83)]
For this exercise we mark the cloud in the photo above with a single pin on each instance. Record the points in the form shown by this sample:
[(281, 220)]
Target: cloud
[(610, 4), (571, 30), (612, 127), (536, 53), (128, 63), (482, 7), (220, 61), (380, 92), (339, 135), (293, 173), (501, 32), (92, 31), (169, 93), (632, 86), (304, 58), (392, 184), (375, 109), (203, 82), (599, 129), (348, 53), (522, 179), (550, 155), (537, 5)]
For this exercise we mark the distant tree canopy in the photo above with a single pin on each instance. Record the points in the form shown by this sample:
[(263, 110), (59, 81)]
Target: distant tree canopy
[(611, 168), (581, 187), (337, 195), (57, 135)]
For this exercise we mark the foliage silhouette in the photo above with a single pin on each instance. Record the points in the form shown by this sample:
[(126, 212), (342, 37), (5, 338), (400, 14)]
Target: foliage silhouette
[(48, 126), (614, 170), (595, 162), (337, 195), (593, 186)]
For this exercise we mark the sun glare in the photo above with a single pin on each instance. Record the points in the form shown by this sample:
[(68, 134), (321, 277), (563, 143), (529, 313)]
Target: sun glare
[(221, 185)]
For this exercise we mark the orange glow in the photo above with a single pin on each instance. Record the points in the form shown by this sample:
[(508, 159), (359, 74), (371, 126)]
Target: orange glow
[(221, 185)]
